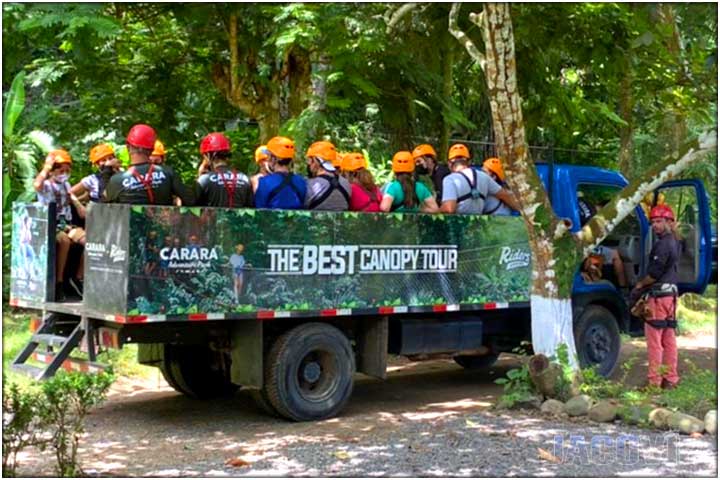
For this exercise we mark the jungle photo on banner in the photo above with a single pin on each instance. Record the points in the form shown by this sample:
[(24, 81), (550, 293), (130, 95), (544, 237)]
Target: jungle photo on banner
[(198, 260)]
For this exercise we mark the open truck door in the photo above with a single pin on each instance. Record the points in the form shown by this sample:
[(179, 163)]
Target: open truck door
[(689, 201)]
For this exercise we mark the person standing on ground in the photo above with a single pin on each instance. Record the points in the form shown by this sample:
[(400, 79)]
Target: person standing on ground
[(280, 189), (466, 189), (221, 185), (660, 286), (404, 194), (366, 196), (326, 190), (145, 183)]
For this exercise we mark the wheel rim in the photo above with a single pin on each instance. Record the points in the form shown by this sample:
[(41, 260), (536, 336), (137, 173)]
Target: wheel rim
[(598, 344), (317, 375)]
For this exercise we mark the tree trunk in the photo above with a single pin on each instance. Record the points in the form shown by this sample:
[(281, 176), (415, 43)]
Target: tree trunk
[(269, 123), (447, 90), (298, 70)]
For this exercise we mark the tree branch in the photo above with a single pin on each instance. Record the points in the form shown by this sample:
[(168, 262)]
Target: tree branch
[(398, 15), (462, 37), (234, 61), (629, 197)]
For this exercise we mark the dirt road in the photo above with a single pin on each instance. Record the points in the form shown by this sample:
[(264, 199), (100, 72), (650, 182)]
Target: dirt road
[(418, 422)]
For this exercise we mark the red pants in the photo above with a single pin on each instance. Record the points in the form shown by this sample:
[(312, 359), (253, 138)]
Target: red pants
[(661, 346)]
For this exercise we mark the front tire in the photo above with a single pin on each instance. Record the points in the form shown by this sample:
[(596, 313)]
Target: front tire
[(309, 372), (597, 339)]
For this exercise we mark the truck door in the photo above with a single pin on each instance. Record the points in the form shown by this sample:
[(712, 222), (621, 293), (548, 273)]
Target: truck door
[(688, 200)]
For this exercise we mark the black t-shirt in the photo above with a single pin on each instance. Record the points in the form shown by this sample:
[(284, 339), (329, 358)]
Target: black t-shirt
[(663, 259), (136, 185), (441, 171), (586, 211), (214, 189)]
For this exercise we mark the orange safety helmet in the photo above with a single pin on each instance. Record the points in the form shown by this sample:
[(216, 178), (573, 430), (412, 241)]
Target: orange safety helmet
[(422, 150), (261, 154), (353, 161), (60, 156), (323, 149), (338, 163), (403, 162), (281, 147), (100, 152), (458, 150), (159, 149), (493, 164)]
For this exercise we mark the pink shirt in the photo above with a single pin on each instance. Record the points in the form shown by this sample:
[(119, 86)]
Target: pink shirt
[(361, 201)]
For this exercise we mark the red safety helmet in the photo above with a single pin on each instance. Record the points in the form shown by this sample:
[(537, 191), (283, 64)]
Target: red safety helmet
[(214, 142), (141, 136), (662, 211)]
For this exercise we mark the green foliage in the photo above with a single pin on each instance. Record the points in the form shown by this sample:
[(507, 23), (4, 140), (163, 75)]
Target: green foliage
[(14, 104), (68, 398), (23, 424), (50, 414), (695, 394), (517, 387)]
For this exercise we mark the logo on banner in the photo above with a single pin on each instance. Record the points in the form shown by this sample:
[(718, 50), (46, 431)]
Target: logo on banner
[(362, 259), (117, 254), (188, 258), (514, 258)]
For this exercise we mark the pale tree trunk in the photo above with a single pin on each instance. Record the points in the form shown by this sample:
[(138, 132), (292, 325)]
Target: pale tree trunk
[(556, 253)]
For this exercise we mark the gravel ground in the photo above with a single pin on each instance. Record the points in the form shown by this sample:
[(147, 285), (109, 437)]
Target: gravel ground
[(476, 445)]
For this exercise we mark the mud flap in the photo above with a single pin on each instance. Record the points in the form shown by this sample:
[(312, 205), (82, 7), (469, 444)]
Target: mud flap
[(247, 354), (372, 347)]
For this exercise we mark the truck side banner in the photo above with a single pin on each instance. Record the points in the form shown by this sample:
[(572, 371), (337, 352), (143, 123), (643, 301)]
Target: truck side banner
[(33, 253), (203, 260)]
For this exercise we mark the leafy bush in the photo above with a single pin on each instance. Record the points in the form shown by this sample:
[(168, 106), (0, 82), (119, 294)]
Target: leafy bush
[(23, 424), (50, 414), (68, 398)]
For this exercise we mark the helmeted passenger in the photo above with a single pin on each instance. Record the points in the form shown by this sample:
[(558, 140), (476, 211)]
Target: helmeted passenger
[(262, 155), (221, 185), (426, 164), (404, 194), (493, 205), (103, 157), (281, 189), (326, 190), (366, 196), (145, 183), (466, 189), (158, 154)]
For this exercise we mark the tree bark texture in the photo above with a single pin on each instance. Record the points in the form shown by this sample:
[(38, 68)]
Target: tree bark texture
[(449, 63)]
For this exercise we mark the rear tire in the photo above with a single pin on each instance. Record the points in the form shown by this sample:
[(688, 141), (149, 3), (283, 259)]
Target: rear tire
[(597, 339), (196, 371), (261, 400), (309, 372), (476, 362)]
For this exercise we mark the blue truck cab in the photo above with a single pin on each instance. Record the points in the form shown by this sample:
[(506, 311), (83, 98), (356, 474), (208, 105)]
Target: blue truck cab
[(596, 302)]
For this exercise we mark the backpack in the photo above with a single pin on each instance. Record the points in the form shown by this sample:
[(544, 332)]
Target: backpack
[(334, 185)]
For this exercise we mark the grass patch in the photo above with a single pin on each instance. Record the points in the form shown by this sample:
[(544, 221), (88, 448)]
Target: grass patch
[(698, 312)]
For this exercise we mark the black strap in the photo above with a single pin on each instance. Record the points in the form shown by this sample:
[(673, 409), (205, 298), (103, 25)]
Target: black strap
[(490, 212), (334, 185), (474, 192), (287, 182)]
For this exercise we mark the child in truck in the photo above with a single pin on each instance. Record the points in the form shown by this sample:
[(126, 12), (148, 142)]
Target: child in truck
[(52, 186)]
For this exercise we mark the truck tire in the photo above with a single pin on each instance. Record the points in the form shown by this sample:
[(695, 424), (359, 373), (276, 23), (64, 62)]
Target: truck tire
[(261, 400), (476, 362), (309, 372), (597, 339), (192, 370)]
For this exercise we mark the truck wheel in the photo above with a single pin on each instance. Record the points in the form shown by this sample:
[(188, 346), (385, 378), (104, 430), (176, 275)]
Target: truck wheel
[(194, 371), (309, 372), (597, 339), (476, 362), (261, 400)]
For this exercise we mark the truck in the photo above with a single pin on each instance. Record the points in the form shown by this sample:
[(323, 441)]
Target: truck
[(292, 304)]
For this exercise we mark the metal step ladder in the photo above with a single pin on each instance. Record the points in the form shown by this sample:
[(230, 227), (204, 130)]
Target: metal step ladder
[(58, 348)]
